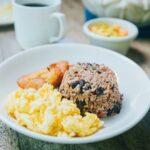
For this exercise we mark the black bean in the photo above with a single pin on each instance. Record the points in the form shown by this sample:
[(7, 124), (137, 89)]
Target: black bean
[(82, 83), (109, 112), (116, 109), (74, 84), (99, 91), (80, 104)]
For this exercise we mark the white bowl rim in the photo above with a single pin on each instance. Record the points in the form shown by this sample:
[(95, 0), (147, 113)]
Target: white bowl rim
[(89, 33), (87, 139)]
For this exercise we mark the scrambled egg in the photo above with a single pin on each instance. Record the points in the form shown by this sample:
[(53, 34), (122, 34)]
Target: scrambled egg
[(108, 30), (44, 111)]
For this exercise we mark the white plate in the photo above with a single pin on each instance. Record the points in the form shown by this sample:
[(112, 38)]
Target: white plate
[(133, 83)]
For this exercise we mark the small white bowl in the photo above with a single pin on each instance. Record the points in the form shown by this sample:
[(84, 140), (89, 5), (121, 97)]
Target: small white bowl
[(119, 44)]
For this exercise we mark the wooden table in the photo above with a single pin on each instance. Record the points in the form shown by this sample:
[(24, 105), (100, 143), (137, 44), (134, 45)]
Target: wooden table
[(137, 138)]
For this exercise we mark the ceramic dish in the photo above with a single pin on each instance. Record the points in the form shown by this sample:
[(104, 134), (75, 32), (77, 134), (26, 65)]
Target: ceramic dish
[(133, 83), (119, 44), (143, 30)]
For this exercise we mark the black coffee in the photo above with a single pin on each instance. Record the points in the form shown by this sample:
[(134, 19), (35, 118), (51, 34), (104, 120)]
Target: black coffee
[(35, 5)]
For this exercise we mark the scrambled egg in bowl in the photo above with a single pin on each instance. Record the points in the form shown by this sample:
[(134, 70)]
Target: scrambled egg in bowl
[(45, 111), (105, 29)]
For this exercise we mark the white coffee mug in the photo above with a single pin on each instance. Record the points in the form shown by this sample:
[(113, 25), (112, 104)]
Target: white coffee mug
[(38, 25)]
